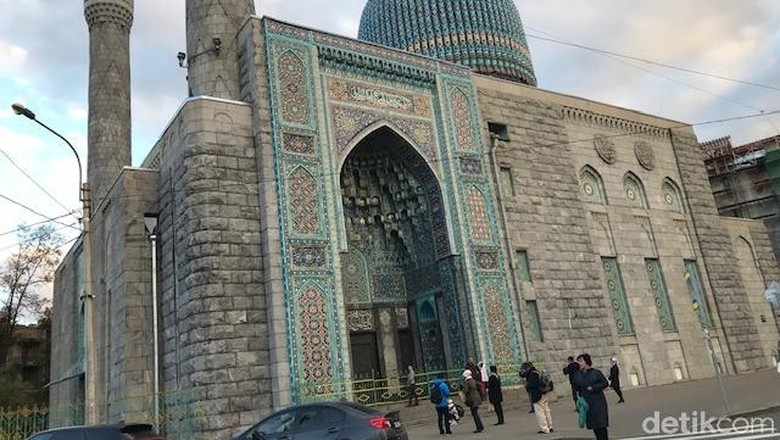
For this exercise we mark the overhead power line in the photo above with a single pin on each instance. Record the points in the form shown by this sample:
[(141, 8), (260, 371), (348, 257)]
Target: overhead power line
[(31, 179), (53, 219), (35, 212), (60, 229), (654, 63)]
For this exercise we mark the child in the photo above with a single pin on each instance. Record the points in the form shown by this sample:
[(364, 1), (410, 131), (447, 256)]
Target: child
[(456, 412)]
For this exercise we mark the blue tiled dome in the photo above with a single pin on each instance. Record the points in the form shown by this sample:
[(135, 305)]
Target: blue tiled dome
[(486, 35)]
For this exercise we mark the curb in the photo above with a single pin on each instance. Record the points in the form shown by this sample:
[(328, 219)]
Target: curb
[(760, 410)]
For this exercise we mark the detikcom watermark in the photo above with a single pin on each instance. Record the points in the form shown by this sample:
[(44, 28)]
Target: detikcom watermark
[(697, 422)]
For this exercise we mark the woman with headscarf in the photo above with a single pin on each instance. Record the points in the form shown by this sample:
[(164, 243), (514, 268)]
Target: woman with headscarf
[(471, 390)]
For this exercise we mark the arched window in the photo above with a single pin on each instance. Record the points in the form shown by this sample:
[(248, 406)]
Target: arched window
[(672, 195), (635, 192), (592, 186)]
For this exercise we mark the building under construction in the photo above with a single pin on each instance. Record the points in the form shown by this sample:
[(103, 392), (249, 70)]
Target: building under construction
[(746, 181)]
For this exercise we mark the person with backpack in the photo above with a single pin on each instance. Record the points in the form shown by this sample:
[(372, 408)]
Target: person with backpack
[(440, 397), (538, 384), (494, 393)]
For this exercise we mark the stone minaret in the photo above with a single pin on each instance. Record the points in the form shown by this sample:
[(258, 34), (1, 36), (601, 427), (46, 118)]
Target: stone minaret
[(109, 24), (213, 68)]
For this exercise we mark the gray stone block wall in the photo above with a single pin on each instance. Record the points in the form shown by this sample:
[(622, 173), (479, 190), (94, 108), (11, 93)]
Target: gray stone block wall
[(122, 273), (757, 268), (725, 284), (64, 395), (634, 234), (255, 90), (547, 218), (766, 258), (214, 307), (121, 283)]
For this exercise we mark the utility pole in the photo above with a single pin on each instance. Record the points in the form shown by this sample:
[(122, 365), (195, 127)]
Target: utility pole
[(90, 361)]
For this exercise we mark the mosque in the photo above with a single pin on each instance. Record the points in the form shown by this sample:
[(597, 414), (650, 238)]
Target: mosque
[(323, 211)]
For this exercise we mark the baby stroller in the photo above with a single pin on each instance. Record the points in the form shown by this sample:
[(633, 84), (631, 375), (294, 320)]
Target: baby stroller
[(456, 412)]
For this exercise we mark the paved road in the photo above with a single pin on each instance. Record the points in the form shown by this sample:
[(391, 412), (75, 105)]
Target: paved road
[(747, 395)]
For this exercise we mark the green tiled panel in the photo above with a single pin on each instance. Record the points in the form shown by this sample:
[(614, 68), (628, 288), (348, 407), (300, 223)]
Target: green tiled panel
[(523, 267), (660, 295), (698, 297), (617, 297), (535, 321)]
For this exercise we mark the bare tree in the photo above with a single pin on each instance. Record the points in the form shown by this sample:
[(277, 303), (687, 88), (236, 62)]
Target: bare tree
[(21, 277)]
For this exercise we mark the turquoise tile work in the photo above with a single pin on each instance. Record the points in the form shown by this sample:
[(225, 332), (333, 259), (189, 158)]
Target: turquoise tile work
[(698, 297), (485, 35), (660, 295), (617, 297)]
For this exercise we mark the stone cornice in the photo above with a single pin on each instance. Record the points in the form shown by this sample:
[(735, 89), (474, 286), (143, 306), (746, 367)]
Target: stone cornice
[(593, 119), (108, 12)]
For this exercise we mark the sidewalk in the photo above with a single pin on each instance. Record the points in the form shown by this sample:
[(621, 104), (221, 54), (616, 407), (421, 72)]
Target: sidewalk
[(745, 394)]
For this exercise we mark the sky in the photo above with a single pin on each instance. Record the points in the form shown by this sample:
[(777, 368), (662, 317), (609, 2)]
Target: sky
[(44, 65)]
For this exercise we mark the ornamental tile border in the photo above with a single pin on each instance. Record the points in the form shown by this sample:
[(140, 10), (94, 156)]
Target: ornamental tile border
[(307, 364), (384, 98)]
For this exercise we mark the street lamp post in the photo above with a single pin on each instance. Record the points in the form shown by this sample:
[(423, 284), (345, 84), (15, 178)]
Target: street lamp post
[(90, 367)]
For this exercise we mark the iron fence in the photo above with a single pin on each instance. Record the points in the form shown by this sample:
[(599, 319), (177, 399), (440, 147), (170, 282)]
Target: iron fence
[(20, 423), (374, 390)]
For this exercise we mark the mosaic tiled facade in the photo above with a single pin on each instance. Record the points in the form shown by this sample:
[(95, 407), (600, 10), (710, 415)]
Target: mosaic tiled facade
[(399, 214), (341, 209)]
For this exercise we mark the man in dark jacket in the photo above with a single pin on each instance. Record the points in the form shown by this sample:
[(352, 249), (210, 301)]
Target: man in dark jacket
[(614, 379), (591, 384), (494, 393), (572, 369), (541, 405)]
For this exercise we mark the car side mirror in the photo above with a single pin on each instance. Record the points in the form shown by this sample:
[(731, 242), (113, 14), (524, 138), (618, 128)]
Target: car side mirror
[(258, 435)]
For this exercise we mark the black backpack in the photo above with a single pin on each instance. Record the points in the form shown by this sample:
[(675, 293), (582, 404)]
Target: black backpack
[(436, 394), (545, 383)]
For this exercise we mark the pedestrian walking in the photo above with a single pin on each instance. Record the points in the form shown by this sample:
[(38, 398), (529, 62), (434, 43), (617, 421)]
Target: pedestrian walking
[(591, 384), (495, 396), (572, 369), (473, 398), (530, 399), (440, 397), (536, 388), (484, 376), (411, 386), (614, 379)]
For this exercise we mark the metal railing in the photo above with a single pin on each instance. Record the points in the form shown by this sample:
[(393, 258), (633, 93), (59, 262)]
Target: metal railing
[(373, 390), (20, 423)]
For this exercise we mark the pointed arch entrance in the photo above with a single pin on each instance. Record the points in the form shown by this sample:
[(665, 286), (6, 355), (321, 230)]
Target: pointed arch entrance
[(396, 234)]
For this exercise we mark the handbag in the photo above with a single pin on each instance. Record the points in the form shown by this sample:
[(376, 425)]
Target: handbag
[(582, 411)]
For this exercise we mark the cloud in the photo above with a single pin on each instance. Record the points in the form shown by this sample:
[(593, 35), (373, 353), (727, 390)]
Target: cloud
[(11, 56), (44, 63)]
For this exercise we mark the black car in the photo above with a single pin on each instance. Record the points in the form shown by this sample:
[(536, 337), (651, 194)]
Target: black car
[(328, 421), (100, 432)]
